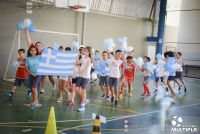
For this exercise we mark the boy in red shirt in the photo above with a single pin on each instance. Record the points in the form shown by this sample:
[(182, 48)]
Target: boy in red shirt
[(129, 74), (21, 74)]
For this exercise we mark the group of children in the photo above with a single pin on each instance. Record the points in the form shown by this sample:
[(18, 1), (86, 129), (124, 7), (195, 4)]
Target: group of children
[(114, 70)]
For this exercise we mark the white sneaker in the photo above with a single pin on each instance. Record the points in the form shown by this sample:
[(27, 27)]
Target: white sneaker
[(81, 108), (59, 100), (42, 90)]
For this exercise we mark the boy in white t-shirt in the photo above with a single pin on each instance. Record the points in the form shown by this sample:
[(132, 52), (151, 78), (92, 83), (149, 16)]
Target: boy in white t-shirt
[(114, 76), (179, 72)]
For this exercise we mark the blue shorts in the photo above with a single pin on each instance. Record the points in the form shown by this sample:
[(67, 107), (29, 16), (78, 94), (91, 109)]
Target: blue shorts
[(171, 78), (104, 81), (18, 82), (82, 82), (114, 82), (157, 79), (35, 81)]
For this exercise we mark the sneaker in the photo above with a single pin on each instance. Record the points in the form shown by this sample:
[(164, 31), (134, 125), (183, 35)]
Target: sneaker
[(130, 95), (167, 94), (87, 101), (116, 102), (42, 91), (155, 91), (59, 100), (185, 90), (95, 80), (71, 103), (35, 105), (120, 96), (179, 88), (148, 95), (112, 99), (81, 108), (54, 87), (9, 94), (28, 95), (143, 94), (92, 83), (103, 96)]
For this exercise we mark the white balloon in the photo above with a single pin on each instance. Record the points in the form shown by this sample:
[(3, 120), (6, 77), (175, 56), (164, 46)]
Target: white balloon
[(27, 22), (94, 75), (140, 61), (110, 49), (129, 49)]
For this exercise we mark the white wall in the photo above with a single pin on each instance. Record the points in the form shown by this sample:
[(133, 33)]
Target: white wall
[(189, 31), (98, 27)]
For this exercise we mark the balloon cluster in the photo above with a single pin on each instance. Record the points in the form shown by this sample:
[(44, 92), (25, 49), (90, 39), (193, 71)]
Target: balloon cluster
[(15, 64), (56, 46), (75, 46), (109, 44), (27, 23), (123, 42)]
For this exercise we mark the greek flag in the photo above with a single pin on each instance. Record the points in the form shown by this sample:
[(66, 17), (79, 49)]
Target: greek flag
[(57, 63)]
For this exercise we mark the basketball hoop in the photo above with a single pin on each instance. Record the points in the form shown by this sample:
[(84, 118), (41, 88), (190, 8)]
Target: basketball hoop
[(76, 7)]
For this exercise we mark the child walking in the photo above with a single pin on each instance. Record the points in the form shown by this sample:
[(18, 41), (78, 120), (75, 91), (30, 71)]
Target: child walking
[(115, 75), (21, 74), (83, 81), (32, 63), (129, 74), (147, 75)]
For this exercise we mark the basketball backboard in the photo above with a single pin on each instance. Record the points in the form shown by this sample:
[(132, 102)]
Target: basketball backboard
[(77, 5)]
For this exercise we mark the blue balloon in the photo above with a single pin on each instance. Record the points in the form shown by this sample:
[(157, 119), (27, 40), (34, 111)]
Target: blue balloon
[(158, 56), (31, 29), (55, 46), (120, 40), (75, 44), (15, 64), (20, 26), (122, 48)]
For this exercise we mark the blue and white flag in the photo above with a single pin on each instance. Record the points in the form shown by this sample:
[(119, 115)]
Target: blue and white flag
[(57, 63)]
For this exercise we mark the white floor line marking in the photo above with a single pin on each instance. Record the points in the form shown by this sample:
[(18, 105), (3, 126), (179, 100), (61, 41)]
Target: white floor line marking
[(122, 117)]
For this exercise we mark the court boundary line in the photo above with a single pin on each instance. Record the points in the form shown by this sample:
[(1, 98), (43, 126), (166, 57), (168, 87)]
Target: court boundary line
[(123, 117)]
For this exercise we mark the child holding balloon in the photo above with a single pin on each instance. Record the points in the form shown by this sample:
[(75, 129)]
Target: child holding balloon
[(21, 74), (103, 70), (145, 68)]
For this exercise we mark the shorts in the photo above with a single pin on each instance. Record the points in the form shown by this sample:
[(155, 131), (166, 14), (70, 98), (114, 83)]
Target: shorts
[(18, 82), (82, 82), (34, 81), (161, 79), (114, 82), (74, 80), (104, 81), (146, 79), (63, 78), (171, 78), (179, 75)]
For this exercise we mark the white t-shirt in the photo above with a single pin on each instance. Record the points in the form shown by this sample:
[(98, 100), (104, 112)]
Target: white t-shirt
[(86, 72), (180, 62), (115, 68)]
